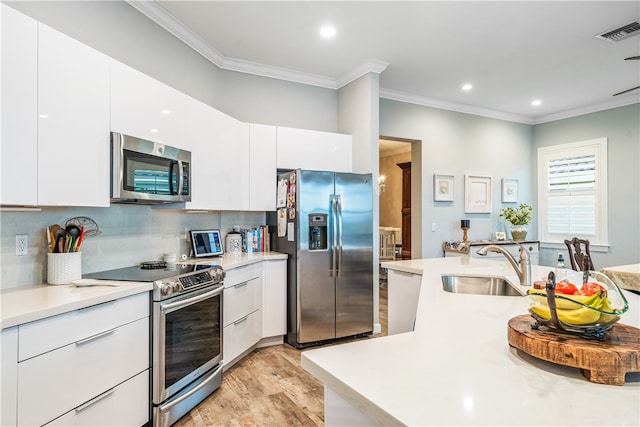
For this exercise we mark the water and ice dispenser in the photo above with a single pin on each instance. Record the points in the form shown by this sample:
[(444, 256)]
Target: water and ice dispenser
[(317, 231)]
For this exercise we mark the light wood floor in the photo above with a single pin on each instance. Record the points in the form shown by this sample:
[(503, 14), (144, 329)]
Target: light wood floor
[(268, 388)]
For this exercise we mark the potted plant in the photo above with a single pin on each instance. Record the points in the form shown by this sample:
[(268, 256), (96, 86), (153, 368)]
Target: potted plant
[(519, 218)]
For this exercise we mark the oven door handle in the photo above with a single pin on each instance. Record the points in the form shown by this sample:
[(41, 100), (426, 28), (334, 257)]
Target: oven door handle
[(164, 307)]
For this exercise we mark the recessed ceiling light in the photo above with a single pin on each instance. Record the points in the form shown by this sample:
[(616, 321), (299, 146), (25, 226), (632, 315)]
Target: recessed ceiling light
[(166, 112), (154, 130), (536, 102), (327, 31), (467, 86)]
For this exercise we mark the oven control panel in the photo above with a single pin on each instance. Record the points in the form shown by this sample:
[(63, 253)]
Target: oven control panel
[(191, 281), (196, 279)]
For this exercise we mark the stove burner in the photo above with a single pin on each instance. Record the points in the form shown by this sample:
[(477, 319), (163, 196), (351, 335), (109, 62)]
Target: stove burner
[(153, 265)]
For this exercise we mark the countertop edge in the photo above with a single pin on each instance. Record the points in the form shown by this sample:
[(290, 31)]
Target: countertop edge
[(94, 295), (370, 409)]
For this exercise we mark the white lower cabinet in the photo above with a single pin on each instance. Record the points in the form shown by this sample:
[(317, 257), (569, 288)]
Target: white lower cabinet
[(274, 298), (99, 366), (8, 376), (240, 336), (127, 404), (242, 319), (403, 292)]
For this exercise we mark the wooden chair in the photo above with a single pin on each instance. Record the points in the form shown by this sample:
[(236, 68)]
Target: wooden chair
[(579, 254)]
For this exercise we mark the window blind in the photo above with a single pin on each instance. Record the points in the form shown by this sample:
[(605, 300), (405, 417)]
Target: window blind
[(572, 201)]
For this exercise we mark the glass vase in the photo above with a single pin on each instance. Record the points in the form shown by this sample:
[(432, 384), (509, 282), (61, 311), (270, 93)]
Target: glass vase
[(518, 232)]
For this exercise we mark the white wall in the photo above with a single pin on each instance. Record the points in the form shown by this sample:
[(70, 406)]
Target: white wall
[(458, 144)]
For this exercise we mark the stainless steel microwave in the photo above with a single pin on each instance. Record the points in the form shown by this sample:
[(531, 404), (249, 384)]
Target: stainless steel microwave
[(147, 172)]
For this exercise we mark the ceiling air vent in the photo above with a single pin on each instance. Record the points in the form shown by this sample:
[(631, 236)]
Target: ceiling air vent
[(621, 33)]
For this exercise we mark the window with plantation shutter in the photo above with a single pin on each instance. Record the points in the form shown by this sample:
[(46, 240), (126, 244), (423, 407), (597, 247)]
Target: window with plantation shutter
[(572, 191)]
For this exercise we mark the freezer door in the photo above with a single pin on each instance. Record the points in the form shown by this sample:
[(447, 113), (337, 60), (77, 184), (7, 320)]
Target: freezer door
[(315, 290), (354, 285)]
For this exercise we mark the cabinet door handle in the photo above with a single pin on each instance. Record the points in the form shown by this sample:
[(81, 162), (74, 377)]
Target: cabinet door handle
[(94, 337), (95, 400), (237, 322), (239, 285)]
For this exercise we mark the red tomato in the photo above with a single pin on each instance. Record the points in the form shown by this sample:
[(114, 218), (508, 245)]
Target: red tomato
[(591, 288), (566, 288)]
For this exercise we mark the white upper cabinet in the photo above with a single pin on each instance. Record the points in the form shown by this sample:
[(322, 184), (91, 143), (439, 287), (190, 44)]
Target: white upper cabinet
[(231, 161), (146, 108), (73, 122), (262, 167), (19, 140), (219, 146), (315, 150)]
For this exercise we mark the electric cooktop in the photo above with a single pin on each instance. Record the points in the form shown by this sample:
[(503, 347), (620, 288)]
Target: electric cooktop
[(149, 272)]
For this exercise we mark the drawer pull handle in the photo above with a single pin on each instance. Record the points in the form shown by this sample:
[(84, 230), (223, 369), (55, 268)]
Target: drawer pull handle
[(95, 400), (239, 285), (237, 322), (96, 336)]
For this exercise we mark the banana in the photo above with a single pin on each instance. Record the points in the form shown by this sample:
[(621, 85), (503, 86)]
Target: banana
[(578, 316), (608, 308), (567, 302)]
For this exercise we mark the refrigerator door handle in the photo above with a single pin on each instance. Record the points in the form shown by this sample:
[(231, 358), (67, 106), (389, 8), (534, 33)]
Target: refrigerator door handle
[(339, 216), (334, 226)]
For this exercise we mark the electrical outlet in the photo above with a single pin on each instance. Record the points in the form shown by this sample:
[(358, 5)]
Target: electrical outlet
[(22, 244)]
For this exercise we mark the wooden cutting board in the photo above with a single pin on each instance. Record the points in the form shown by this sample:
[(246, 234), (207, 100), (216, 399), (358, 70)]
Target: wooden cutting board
[(603, 362)]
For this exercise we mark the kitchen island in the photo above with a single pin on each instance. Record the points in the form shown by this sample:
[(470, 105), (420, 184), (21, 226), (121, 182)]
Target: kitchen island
[(457, 368)]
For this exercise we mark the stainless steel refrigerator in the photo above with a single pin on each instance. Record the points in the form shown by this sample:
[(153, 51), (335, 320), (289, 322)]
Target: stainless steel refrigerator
[(324, 222)]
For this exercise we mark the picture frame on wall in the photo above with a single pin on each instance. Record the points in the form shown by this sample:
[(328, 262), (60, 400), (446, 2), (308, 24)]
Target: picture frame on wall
[(442, 188), (509, 190), (478, 194)]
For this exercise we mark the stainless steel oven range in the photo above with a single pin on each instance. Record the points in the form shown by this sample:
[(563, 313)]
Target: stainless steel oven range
[(186, 334)]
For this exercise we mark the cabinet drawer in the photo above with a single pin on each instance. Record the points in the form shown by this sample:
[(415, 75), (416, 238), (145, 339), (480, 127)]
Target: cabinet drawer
[(54, 332), (58, 381), (241, 335), (242, 274), (241, 299), (124, 405)]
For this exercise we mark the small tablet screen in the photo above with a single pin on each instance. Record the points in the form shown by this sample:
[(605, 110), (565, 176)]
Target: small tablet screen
[(206, 243)]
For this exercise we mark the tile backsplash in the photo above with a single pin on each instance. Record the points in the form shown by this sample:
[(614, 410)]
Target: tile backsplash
[(129, 234)]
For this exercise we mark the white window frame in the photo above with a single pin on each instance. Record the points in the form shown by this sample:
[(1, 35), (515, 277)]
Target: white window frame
[(598, 147)]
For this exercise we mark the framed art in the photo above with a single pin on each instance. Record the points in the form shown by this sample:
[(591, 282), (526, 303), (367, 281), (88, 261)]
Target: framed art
[(509, 190), (442, 188), (478, 196)]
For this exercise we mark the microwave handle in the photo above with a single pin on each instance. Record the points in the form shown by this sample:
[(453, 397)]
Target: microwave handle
[(180, 177)]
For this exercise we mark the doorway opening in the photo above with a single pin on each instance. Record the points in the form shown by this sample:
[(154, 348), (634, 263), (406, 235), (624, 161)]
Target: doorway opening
[(400, 198)]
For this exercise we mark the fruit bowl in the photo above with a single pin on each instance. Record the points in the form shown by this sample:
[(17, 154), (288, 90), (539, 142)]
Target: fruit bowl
[(584, 303)]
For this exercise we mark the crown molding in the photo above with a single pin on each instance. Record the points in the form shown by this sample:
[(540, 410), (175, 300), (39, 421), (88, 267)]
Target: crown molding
[(156, 13), (451, 106), (153, 11), (621, 102), (370, 66)]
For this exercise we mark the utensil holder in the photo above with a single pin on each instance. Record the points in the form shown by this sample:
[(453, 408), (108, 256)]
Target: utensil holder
[(62, 268)]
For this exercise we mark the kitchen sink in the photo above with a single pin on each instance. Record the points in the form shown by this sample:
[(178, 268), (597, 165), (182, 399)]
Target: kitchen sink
[(479, 285)]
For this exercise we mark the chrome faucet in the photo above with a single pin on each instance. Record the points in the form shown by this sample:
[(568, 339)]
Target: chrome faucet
[(522, 268)]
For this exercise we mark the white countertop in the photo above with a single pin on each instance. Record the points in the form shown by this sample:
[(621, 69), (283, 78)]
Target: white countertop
[(457, 367), (34, 302)]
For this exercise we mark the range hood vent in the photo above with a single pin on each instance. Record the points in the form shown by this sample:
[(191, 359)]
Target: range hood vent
[(621, 33)]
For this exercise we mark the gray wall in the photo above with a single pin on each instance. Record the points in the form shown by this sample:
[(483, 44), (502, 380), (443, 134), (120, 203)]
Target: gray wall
[(123, 33), (622, 128), (457, 144)]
